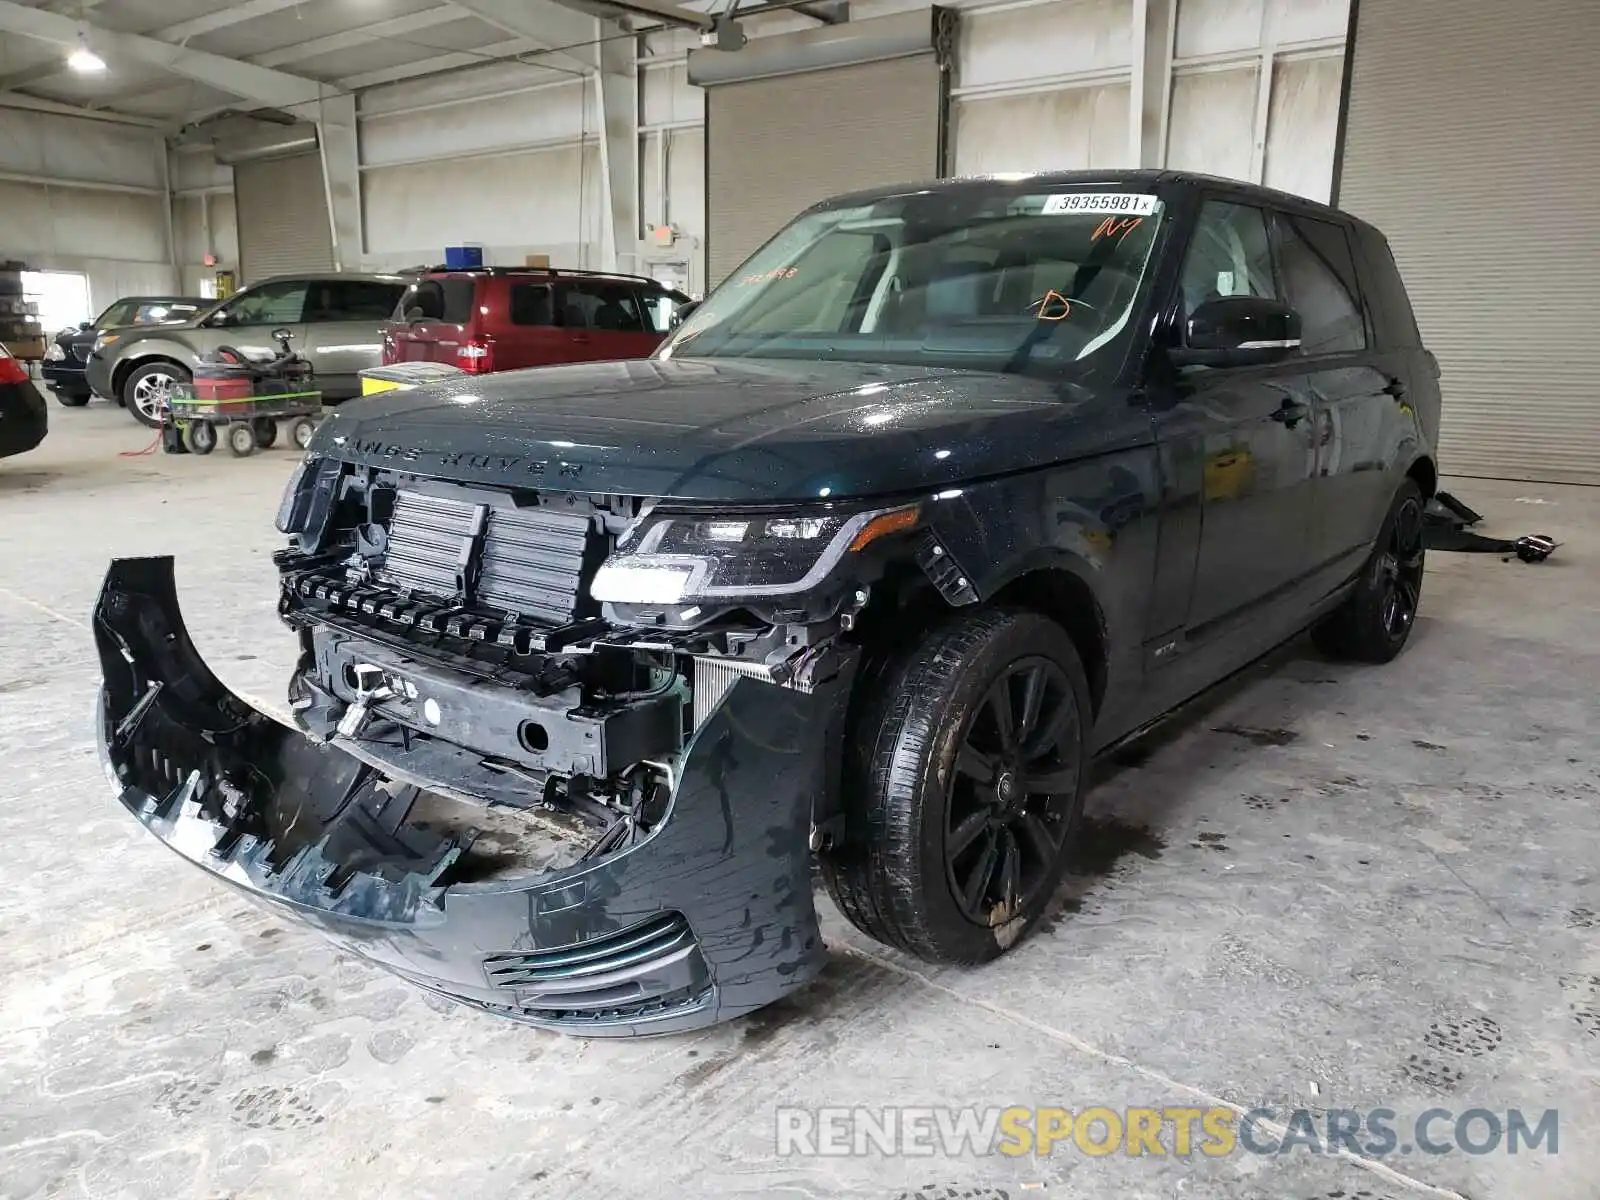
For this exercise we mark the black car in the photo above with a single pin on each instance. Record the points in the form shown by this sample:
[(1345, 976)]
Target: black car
[(945, 491), (23, 420), (64, 360)]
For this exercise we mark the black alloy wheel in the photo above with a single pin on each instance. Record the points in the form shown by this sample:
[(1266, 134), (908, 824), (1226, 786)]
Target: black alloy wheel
[(1400, 569), (962, 778), (1377, 617), (1009, 797)]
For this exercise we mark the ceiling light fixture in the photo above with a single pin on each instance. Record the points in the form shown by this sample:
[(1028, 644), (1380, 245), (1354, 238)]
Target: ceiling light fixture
[(84, 60)]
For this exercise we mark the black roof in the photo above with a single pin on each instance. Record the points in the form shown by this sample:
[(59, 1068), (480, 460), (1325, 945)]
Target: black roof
[(1153, 178)]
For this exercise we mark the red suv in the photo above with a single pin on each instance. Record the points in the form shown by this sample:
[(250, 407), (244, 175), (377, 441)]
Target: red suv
[(499, 318)]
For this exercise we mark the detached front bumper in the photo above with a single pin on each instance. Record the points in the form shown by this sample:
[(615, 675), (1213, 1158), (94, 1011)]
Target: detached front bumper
[(708, 917)]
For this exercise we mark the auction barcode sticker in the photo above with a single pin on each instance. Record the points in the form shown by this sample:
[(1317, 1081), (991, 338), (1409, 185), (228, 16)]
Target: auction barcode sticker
[(1132, 204)]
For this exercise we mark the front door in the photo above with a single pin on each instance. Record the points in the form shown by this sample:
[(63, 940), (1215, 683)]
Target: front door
[(1253, 430), (605, 320), (247, 322), (344, 330)]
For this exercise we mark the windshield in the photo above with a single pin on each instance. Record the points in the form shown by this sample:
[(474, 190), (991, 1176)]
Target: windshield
[(145, 312), (993, 280)]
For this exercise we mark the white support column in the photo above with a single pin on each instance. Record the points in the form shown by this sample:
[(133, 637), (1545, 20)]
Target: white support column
[(1263, 109), (1155, 29), (617, 94), (341, 175)]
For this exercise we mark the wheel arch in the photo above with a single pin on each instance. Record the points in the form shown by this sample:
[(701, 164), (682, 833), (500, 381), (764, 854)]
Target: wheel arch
[(1057, 587), (1423, 470), (120, 373)]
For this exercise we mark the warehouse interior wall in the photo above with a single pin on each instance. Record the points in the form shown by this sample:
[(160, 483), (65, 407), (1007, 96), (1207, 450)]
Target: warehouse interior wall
[(85, 196), (1250, 90)]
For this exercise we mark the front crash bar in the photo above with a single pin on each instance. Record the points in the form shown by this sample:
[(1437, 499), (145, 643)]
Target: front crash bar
[(708, 917)]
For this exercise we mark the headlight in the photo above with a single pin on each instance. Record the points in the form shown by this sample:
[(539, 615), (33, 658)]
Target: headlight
[(55, 353), (104, 340), (729, 557)]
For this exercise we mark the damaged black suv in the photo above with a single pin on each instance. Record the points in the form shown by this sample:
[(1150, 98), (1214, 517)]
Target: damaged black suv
[(946, 490)]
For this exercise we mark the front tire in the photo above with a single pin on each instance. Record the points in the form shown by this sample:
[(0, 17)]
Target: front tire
[(1375, 621), (963, 784), (148, 390)]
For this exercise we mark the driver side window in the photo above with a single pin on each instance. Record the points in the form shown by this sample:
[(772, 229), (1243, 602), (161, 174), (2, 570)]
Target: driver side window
[(281, 303), (1229, 255)]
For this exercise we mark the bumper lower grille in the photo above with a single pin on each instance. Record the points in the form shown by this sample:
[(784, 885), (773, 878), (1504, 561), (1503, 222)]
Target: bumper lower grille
[(652, 964)]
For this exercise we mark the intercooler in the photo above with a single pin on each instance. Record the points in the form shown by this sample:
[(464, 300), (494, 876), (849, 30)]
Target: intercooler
[(527, 561)]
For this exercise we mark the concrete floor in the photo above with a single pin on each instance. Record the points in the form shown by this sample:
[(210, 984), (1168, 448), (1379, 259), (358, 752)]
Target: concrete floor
[(1359, 888)]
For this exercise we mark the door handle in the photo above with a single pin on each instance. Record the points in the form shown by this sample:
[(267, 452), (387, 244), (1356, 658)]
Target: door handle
[(1290, 413), (1396, 387)]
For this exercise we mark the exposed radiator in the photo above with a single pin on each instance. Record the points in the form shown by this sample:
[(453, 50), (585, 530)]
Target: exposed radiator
[(714, 679), (526, 561)]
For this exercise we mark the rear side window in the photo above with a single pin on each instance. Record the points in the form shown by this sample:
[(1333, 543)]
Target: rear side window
[(532, 304), (611, 307), (1319, 277), (351, 300), (448, 300)]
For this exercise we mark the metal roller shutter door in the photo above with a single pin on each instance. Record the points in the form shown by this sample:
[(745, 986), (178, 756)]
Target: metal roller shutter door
[(282, 216), (776, 146), (1472, 139)]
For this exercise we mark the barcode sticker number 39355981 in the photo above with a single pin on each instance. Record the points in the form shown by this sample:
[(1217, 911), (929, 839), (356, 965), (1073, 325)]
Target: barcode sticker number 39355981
[(1133, 204)]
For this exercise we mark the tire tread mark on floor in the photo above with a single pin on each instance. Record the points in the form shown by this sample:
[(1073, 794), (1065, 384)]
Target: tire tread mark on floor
[(1381, 1170)]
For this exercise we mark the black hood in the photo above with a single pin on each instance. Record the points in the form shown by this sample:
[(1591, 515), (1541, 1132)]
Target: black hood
[(731, 429)]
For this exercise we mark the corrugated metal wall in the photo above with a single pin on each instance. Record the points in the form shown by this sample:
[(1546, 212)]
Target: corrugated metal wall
[(1473, 142)]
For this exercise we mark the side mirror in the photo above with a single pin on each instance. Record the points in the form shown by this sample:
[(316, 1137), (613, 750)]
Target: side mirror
[(282, 335), (85, 326), (682, 313), (1239, 331)]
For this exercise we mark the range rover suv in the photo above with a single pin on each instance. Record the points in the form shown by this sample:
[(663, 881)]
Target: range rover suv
[(945, 491)]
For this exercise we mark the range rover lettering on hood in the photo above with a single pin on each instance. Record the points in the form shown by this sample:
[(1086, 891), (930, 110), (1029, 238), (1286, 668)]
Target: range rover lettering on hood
[(508, 464)]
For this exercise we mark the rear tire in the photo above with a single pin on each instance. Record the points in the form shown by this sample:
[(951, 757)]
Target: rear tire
[(72, 399), (303, 431), (266, 430), (962, 786), (241, 440), (200, 437), (1375, 621)]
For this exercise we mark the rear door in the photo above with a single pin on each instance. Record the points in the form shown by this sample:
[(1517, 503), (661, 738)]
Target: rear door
[(344, 330), (605, 319), (432, 320), (523, 315), (1355, 413)]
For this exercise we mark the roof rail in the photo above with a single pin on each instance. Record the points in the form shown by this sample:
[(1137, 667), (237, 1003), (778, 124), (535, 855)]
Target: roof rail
[(558, 272)]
